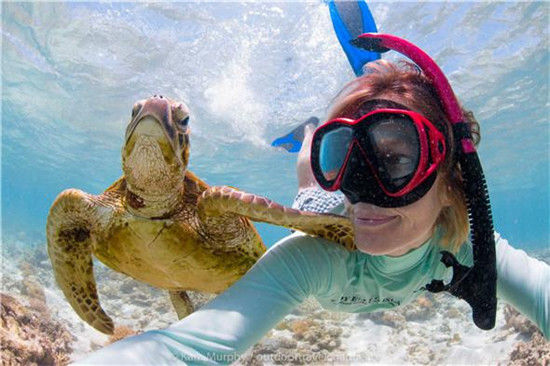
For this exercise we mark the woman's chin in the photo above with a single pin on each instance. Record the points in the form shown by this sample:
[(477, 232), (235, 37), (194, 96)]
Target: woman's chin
[(387, 241), (371, 244)]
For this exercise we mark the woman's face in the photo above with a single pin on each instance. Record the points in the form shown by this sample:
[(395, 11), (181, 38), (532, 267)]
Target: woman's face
[(395, 231)]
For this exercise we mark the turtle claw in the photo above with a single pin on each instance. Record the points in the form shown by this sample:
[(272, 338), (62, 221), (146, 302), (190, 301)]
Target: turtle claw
[(104, 324)]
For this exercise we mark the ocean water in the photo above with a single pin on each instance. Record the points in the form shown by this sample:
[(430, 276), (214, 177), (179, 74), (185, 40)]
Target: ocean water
[(250, 72), (74, 70)]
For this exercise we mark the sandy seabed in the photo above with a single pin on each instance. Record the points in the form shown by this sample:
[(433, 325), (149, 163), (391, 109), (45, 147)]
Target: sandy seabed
[(39, 326)]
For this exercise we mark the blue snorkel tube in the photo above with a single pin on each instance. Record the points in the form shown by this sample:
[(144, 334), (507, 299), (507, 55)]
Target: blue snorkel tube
[(476, 284)]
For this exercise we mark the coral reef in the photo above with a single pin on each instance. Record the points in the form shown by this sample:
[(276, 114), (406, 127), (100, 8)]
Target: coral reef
[(420, 354), (534, 352), (422, 309), (434, 329), (312, 336), (29, 337), (121, 333), (518, 322), (27, 272)]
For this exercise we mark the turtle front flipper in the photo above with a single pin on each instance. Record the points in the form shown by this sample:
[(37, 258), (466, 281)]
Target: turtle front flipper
[(218, 200), (70, 229), (181, 303)]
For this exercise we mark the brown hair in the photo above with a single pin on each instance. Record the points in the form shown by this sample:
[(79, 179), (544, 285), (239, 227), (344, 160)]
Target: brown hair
[(384, 79)]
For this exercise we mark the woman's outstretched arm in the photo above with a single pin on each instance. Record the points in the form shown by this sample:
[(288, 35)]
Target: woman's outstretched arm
[(235, 320), (524, 283)]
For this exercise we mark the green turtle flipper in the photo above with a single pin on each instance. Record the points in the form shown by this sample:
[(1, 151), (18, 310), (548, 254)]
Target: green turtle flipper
[(70, 229), (221, 200)]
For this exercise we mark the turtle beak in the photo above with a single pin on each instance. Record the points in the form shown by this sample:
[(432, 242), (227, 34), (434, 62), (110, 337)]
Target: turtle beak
[(153, 116)]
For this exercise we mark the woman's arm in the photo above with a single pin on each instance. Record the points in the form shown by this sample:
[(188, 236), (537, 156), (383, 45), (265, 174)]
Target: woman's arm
[(524, 283), (306, 179), (235, 320)]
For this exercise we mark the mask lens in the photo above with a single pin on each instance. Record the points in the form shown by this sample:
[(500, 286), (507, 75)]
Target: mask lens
[(333, 149), (395, 146)]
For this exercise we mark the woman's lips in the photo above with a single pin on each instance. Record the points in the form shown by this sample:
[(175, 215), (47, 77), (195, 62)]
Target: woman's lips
[(373, 220)]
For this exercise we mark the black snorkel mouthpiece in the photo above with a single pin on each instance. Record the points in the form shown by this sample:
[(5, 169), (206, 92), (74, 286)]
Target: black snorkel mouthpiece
[(476, 284), (369, 44)]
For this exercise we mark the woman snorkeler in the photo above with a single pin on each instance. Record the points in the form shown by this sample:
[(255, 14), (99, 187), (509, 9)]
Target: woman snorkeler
[(400, 149)]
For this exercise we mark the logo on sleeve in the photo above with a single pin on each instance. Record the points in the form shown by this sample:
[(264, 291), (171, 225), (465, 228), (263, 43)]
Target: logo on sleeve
[(354, 299)]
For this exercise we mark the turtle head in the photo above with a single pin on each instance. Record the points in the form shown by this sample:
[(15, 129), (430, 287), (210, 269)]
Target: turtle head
[(156, 148)]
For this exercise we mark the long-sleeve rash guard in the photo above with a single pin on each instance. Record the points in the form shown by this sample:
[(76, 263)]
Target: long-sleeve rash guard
[(299, 266)]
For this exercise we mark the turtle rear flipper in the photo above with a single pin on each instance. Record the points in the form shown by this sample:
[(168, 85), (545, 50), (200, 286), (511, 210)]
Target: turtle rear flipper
[(70, 229), (222, 199), (181, 303)]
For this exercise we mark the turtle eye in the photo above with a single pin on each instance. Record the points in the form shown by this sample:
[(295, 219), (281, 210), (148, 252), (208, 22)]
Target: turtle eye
[(183, 122), (136, 109)]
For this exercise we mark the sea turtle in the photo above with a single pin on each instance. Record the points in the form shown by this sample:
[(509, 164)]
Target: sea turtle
[(162, 225)]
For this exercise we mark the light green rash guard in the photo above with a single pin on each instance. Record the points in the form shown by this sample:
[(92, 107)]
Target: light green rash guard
[(299, 266)]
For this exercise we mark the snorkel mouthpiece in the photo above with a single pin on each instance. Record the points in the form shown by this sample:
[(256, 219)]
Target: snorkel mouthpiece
[(476, 284), (371, 44)]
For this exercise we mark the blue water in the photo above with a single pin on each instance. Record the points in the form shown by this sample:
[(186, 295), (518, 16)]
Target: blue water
[(250, 72)]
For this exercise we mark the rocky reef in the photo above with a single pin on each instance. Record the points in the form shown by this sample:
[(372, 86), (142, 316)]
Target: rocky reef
[(39, 326), (535, 350), (308, 336), (435, 329), (532, 353), (32, 300), (30, 337)]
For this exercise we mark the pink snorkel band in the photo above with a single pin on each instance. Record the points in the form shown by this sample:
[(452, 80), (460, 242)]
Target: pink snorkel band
[(430, 69), (477, 284)]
